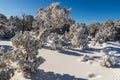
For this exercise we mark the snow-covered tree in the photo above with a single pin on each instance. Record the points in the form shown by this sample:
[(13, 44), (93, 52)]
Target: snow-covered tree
[(3, 18), (15, 23), (117, 26), (26, 22), (21, 24), (93, 28), (55, 38), (106, 32), (59, 41), (79, 35), (53, 17)]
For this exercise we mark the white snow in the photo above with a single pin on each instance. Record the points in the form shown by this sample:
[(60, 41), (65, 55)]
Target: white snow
[(66, 64)]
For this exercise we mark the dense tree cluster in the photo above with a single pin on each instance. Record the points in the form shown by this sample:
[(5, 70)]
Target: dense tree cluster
[(23, 23), (56, 20)]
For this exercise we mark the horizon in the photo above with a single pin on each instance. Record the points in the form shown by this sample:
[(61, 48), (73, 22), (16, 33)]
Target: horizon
[(83, 11)]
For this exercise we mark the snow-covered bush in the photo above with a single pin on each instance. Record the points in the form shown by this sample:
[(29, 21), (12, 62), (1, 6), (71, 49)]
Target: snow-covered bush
[(108, 60), (65, 42), (6, 68), (23, 58), (79, 36), (26, 40), (26, 62), (25, 54), (93, 29), (55, 38), (42, 35), (106, 32), (59, 41)]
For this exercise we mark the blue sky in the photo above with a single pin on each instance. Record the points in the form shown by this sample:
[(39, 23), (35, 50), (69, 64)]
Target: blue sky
[(85, 11)]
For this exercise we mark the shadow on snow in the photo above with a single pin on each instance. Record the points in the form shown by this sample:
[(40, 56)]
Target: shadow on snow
[(41, 75), (69, 53)]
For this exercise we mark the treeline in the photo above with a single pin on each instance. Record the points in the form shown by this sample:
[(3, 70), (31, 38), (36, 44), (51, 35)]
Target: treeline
[(23, 23), (57, 20), (107, 31)]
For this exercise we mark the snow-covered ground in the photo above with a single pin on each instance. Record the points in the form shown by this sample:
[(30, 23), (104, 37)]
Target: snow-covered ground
[(66, 64)]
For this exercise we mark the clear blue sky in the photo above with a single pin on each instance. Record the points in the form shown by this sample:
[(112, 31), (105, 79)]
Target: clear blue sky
[(85, 11)]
